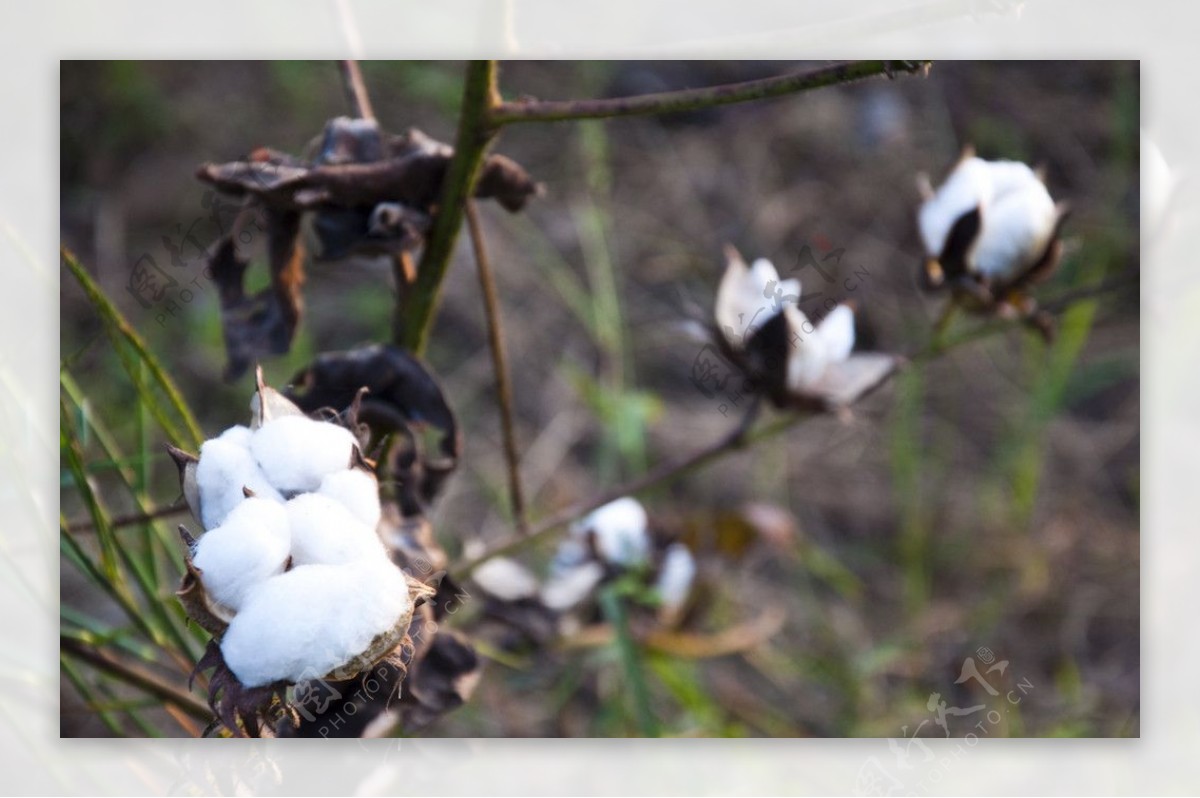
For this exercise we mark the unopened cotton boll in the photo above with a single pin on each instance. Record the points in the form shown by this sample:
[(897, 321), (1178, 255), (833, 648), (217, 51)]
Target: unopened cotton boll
[(619, 529), (244, 552), (308, 622), (325, 531), (296, 452), (224, 469), (357, 491), (675, 577)]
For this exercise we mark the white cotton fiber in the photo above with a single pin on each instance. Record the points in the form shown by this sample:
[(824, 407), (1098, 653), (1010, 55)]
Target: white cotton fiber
[(1016, 231), (245, 551), (748, 296), (296, 452), (569, 587), (325, 531), (675, 577), (358, 492), (239, 435), (505, 579), (620, 531), (313, 619), (836, 332), (969, 186), (807, 357), (226, 467)]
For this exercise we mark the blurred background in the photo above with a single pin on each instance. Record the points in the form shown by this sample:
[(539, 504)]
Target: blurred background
[(983, 504)]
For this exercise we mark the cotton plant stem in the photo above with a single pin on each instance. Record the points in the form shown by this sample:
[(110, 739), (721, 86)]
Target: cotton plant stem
[(85, 525), (491, 307), (136, 675), (694, 99), (356, 90), (475, 133)]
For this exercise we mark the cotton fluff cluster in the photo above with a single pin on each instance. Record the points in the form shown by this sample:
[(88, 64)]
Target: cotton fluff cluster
[(990, 219), (291, 556), (819, 360)]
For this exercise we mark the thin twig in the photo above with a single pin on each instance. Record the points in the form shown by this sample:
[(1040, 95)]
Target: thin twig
[(137, 676), (356, 90), (1125, 279), (692, 99), (86, 525), (475, 133), (670, 471), (491, 307)]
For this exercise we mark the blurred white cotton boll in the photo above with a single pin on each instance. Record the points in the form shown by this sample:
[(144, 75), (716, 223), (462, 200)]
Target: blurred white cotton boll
[(241, 554), (749, 295), (296, 452), (620, 532), (312, 620), (967, 187), (506, 579), (357, 491), (225, 468), (675, 577), (326, 531), (570, 586), (807, 358), (836, 332), (1017, 227)]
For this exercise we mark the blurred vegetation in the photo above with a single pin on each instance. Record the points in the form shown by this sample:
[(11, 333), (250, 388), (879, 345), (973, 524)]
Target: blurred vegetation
[(986, 499)]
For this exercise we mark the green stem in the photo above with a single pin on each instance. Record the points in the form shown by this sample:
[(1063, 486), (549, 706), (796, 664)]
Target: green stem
[(613, 606), (693, 99), (475, 133)]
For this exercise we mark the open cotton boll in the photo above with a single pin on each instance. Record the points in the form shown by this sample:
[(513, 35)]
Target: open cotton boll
[(674, 582), (836, 332), (225, 468), (620, 531), (244, 552), (307, 622), (238, 435), (968, 187), (326, 531), (807, 357), (357, 491), (1008, 176), (748, 295), (296, 452), (506, 579), (1016, 230), (571, 586)]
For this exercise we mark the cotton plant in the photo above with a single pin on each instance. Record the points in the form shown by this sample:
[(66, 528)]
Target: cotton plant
[(990, 232), (796, 361), (290, 575)]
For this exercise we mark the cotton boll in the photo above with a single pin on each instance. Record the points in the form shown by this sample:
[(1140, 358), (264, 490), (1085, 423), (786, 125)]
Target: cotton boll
[(225, 468), (570, 587), (326, 531), (505, 579), (836, 332), (674, 582), (1009, 176), (1016, 230), (748, 295), (807, 358), (968, 187), (238, 435), (308, 622), (357, 491), (296, 452), (619, 528), (244, 552)]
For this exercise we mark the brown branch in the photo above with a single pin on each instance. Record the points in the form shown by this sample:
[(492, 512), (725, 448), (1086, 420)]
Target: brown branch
[(86, 525), (692, 99), (491, 306), (137, 676), (736, 438), (356, 90), (475, 133)]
